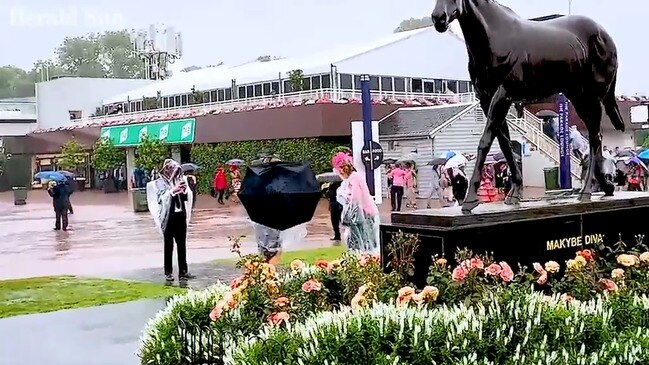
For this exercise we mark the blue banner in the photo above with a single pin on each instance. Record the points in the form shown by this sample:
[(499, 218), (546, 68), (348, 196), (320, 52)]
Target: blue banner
[(565, 178), (366, 99)]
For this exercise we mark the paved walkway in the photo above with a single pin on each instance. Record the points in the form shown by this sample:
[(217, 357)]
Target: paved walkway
[(105, 335)]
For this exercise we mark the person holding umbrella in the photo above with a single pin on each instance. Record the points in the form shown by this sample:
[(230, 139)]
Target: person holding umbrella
[(60, 200), (170, 203), (360, 216), (235, 178)]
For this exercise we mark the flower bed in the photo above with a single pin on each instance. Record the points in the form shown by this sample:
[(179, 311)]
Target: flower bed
[(591, 309)]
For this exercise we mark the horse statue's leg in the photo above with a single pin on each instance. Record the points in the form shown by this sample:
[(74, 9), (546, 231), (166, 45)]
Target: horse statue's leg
[(590, 111), (504, 140), (496, 114)]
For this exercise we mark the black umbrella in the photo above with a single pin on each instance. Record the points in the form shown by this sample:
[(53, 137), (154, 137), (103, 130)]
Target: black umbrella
[(389, 161), (280, 195), (437, 162)]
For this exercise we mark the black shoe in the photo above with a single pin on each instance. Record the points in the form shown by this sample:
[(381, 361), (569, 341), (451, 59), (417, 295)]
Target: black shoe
[(56, 229), (186, 276), (169, 277), (336, 239)]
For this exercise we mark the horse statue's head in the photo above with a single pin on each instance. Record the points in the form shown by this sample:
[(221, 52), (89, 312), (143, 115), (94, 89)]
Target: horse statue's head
[(445, 12)]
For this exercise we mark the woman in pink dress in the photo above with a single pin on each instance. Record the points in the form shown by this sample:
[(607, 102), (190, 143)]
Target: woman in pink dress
[(399, 175)]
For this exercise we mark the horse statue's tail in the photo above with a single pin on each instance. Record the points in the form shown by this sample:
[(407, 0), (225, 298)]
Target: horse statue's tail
[(611, 107)]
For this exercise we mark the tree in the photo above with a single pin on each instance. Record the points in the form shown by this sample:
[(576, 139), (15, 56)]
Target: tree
[(296, 80), (106, 156), (100, 55), (414, 23), (73, 155), (196, 97), (151, 153)]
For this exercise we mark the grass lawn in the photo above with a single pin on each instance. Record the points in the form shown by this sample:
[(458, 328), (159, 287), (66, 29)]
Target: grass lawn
[(308, 256), (47, 294)]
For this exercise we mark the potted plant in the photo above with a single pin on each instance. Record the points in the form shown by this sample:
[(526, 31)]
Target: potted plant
[(149, 156), (106, 157), (73, 158)]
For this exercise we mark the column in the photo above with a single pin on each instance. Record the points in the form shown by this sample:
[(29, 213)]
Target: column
[(130, 166)]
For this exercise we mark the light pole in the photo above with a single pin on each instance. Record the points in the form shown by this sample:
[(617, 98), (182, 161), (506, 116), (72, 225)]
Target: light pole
[(569, 7)]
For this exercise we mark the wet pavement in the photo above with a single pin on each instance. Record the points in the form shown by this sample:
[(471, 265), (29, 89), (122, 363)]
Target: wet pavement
[(105, 335), (108, 238)]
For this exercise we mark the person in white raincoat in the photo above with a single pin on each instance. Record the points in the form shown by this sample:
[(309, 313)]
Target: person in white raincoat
[(170, 203)]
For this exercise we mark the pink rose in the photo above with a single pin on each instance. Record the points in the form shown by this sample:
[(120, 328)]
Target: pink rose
[(609, 285), (476, 263), (236, 282), (459, 273), (493, 269), (311, 285), (543, 278), (507, 274), (277, 318)]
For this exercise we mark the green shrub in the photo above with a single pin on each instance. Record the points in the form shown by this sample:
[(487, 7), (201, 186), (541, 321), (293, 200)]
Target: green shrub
[(316, 151)]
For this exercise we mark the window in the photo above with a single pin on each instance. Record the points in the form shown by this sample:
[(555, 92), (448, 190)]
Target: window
[(242, 92), (228, 94), (75, 114), (346, 82), (183, 100), (266, 88), (326, 81), (374, 83), (213, 96), (452, 85), (172, 102), (220, 95), (315, 83), (429, 87), (306, 83), (274, 88), (439, 87), (357, 82), (464, 87), (258, 90), (138, 106), (399, 84), (165, 102), (206, 97), (250, 91), (417, 85), (386, 84), (288, 87)]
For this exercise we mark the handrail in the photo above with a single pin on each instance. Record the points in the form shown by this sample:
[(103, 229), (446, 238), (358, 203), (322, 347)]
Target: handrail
[(237, 104), (546, 145)]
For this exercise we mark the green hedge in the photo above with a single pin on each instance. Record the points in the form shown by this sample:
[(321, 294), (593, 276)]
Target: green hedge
[(316, 151)]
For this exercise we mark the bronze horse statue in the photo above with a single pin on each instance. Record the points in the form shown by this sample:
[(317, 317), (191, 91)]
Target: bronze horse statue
[(515, 60)]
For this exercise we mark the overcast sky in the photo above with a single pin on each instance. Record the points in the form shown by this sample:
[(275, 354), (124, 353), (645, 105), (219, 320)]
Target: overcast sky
[(236, 31)]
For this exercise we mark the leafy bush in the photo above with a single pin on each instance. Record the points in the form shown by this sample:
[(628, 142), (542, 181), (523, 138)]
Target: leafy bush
[(151, 153), (349, 311), (106, 156), (316, 151), (531, 329), (73, 155)]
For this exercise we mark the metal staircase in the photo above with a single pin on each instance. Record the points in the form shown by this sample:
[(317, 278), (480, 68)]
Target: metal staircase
[(531, 128)]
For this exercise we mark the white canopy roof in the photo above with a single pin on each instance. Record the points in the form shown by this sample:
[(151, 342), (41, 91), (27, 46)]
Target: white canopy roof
[(346, 58)]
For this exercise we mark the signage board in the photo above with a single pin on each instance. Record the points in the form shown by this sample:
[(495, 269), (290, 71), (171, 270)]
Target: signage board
[(177, 131)]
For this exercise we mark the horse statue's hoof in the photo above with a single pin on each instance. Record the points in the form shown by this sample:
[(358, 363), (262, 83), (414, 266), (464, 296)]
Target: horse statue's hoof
[(608, 189), (467, 207), (512, 200), (584, 197)]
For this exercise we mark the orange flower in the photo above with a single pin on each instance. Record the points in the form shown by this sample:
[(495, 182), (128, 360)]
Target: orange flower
[(297, 266), (441, 262), (236, 282), (367, 259), (405, 295), (628, 260), (218, 310), (418, 298), (277, 318), (586, 254), (268, 270), (311, 285), (322, 264), (430, 293), (281, 302), (273, 288)]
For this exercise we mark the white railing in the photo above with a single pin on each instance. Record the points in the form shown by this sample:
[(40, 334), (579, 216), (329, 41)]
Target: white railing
[(532, 129), (335, 95)]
